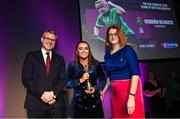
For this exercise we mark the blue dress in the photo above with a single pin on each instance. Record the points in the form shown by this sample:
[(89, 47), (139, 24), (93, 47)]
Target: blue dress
[(84, 105), (122, 64)]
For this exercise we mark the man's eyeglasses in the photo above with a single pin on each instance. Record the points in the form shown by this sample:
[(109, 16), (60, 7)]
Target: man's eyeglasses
[(49, 39)]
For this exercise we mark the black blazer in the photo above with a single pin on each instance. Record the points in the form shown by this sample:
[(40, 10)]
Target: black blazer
[(36, 80), (97, 79)]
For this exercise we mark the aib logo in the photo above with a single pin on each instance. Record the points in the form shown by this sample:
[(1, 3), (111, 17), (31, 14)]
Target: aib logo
[(169, 44)]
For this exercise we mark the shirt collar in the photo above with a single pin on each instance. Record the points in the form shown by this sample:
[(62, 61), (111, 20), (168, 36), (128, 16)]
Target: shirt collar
[(44, 52)]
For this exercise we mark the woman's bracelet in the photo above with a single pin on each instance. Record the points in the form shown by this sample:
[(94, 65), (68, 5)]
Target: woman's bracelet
[(132, 94)]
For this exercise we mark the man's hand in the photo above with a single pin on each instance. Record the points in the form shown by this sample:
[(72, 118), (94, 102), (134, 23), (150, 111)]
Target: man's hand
[(51, 101), (47, 96)]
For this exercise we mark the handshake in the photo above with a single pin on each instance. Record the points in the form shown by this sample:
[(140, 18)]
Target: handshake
[(48, 97)]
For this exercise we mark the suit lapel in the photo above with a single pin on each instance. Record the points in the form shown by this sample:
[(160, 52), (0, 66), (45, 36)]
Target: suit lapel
[(41, 62)]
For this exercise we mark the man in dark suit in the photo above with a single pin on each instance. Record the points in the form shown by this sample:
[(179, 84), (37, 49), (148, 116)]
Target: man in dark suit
[(43, 76)]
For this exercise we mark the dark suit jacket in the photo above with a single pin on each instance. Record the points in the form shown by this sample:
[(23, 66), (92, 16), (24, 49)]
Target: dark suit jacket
[(36, 80)]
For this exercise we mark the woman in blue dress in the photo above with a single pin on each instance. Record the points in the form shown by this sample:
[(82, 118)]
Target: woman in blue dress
[(86, 77), (123, 71)]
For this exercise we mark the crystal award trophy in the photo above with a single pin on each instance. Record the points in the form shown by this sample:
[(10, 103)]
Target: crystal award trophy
[(88, 83)]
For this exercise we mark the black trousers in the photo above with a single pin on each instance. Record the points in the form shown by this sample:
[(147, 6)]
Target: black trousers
[(50, 113)]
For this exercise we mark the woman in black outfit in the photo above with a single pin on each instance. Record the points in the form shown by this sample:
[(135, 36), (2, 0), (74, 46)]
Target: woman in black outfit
[(85, 69), (155, 95)]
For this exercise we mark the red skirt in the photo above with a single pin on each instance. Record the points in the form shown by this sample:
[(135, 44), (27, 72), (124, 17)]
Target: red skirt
[(120, 93)]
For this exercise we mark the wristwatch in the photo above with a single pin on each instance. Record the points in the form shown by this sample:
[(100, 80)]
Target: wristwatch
[(54, 96)]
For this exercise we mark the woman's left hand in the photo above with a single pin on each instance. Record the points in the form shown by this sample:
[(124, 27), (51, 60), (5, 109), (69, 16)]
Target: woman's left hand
[(131, 104), (90, 91)]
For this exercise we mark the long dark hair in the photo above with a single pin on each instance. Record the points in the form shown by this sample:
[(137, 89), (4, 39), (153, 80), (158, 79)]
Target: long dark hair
[(91, 59)]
